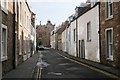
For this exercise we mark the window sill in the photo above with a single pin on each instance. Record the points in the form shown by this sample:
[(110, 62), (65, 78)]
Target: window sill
[(4, 58), (109, 18), (110, 59)]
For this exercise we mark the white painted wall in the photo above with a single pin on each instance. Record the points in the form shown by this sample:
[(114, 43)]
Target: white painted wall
[(91, 48), (67, 38), (68, 45), (73, 43), (52, 39), (64, 39)]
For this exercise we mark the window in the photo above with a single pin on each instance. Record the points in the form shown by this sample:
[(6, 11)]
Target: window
[(26, 45), (109, 8), (88, 31), (4, 42), (16, 10), (20, 53), (29, 45), (25, 20), (4, 4), (74, 32), (109, 43), (21, 12)]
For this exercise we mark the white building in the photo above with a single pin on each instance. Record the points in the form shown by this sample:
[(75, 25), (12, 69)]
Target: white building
[(52, 39), (68, 40), (88, 34), (64, 45), (72, 35)]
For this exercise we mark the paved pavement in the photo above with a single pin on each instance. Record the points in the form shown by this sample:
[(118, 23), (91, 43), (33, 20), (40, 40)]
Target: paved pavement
[(24, 70)]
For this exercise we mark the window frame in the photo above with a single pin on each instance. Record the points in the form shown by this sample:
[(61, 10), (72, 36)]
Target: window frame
[(20, 48), (89, 32), (109, 56), (3, 58), (74, 33), (20, 13), (107, 10)]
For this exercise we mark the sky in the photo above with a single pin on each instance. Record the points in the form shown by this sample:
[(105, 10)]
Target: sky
[(57, 11)]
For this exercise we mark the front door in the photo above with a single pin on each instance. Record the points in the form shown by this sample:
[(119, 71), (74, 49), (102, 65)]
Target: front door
[(82, 49)]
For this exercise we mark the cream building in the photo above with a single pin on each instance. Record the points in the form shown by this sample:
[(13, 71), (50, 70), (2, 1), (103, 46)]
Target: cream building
[(24, 32), (52, 39)]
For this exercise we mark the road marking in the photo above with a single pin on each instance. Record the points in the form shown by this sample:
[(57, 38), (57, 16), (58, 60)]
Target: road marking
[(73, 68), (93, 68), (55, 73), (64, 64)]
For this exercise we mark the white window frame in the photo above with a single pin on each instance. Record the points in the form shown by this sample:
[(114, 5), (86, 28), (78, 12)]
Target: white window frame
[(3, 58), (89, 31), (3, 6), (20, 45), (25, 19), (107, 8), (109, 57), (16, 13), (20, 13), (74, 34)]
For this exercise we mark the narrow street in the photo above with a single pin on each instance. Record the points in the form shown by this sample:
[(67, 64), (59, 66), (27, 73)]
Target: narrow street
[(54, 66), (60, 39)]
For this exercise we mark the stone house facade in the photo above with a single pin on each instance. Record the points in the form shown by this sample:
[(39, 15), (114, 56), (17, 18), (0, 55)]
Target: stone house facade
[(7, 50), (110, 33), (43, 33), (23, 31), (15, 34)]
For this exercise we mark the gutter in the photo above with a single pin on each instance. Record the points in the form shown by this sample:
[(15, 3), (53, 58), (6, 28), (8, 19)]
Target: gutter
[(14, 37)]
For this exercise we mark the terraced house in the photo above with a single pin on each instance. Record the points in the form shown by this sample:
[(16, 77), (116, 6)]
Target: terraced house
[(16, 38), (7, 39), (110, 32), (24, 30), (88, 33)]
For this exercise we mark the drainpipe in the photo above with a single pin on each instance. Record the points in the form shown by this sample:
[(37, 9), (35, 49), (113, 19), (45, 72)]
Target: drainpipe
[(14, 37), (99, 33), (76, 37)]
